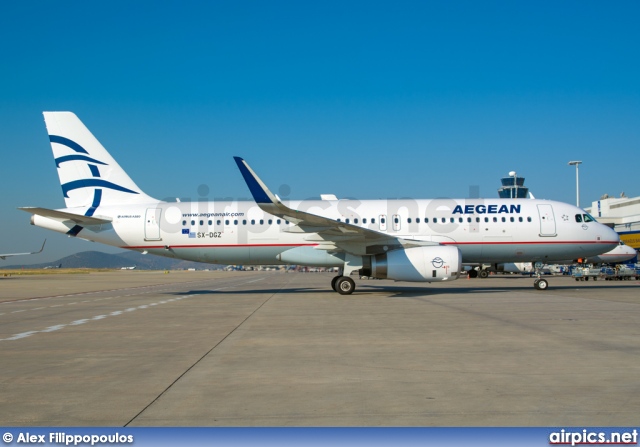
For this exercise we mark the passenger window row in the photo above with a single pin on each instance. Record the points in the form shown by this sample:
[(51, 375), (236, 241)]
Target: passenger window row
[(372, 221), (237, 222), (418, 220)]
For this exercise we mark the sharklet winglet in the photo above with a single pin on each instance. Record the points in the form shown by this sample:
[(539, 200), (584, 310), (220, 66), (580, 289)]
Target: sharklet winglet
[(259, 190)]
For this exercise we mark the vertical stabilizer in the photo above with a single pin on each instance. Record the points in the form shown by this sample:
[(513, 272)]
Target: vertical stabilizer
[(89, 176)]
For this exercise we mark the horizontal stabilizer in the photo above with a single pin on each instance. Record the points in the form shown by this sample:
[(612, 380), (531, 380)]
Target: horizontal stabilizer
[(62, 216)]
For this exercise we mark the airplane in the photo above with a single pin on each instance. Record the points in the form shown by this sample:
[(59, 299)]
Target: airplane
[(404, 240), (6, 255), (51, 267), (619, 254)]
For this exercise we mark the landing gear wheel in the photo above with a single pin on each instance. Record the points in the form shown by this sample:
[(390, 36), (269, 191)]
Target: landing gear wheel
[(473, 273), (345, 285), (333, 282), (541, 284), (483, 274)]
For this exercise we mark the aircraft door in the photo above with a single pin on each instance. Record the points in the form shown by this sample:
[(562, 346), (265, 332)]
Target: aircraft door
[(547, 221), (152, 224), (382, 219)]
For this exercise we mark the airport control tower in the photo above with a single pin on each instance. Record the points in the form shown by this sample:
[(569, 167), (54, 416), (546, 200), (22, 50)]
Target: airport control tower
[(513, 187)]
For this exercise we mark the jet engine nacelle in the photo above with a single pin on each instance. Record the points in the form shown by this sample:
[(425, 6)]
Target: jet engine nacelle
[(419, 264)]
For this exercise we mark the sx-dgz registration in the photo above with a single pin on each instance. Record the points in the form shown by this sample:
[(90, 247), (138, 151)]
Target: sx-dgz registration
[(211, 234)]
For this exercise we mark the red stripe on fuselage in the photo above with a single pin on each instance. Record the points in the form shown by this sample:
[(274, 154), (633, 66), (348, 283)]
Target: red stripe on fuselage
[(313, 245), (218, 246), (528, 243)]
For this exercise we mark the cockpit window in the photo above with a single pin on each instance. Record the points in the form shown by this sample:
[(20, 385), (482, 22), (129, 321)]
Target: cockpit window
[(588, 218), (578, 218)]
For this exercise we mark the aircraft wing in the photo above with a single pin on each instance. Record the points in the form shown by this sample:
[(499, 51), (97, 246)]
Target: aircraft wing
[(330, 234), (62, 216), (5, 256)]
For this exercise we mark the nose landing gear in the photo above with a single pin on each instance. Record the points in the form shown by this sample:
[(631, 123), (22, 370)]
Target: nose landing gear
[(539, 283)]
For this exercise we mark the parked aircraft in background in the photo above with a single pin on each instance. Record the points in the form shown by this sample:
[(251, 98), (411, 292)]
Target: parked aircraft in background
[(5, 256), (406, 240), (51, 267), (619, 254)]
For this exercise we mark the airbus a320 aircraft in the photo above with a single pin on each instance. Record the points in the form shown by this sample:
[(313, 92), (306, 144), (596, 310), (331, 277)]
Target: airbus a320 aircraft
[(618, 255), (406, 240)]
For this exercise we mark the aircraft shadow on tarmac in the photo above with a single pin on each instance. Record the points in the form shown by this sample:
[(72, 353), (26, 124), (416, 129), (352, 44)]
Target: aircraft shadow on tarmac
[(246, 292), (411, 291)]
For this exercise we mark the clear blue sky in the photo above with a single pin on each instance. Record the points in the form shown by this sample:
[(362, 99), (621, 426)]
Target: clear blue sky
[(359, 99)]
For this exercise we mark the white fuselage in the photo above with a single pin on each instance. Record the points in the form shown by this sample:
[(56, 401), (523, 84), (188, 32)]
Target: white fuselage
[(485, 230)]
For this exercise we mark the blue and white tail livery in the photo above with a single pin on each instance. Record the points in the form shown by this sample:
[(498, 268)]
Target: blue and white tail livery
[(89, 176), (422, 240)]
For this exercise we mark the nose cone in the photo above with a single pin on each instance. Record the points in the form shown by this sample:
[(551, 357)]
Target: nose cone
[(609, 236)]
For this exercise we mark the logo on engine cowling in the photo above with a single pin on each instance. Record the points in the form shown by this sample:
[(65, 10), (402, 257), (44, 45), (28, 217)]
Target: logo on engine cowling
[(437, 262)]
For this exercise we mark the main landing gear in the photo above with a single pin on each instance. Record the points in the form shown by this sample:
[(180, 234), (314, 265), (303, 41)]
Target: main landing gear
[(539, 283), (473, 273), (343, 285)]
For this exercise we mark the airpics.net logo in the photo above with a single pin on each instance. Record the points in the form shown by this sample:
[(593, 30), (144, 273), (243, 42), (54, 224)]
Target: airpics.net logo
[(588, 437)]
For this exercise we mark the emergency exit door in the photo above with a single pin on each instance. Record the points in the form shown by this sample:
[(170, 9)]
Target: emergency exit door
[(547, 221), (152, 224)]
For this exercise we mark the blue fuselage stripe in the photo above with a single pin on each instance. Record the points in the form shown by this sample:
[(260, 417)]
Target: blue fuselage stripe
[(97, 197), (75, 230)]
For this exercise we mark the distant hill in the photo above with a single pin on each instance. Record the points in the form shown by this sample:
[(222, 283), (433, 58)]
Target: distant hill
[(100, 260)]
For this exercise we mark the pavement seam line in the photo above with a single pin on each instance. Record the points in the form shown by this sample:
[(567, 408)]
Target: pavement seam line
[(205, 355), (168, 286)]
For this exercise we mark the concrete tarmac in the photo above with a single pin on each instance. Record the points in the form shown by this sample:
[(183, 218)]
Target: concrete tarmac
[(137, 348)]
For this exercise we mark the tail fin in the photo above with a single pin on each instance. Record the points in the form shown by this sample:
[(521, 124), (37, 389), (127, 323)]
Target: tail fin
[(89, 176)]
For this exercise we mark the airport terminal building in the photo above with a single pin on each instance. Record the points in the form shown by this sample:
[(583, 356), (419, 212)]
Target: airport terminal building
[(622, 213)]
